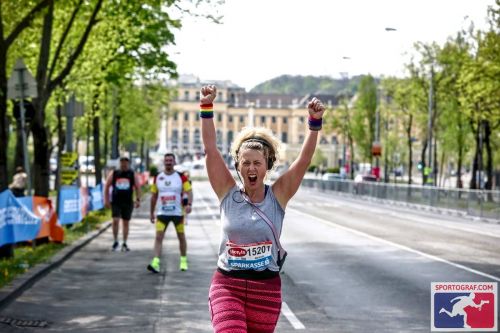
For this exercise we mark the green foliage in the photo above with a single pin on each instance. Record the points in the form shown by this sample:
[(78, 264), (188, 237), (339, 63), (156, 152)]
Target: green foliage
[(153, 170), (364, 117)]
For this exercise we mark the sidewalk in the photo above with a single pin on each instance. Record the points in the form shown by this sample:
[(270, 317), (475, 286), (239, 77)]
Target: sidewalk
[(97, 290)]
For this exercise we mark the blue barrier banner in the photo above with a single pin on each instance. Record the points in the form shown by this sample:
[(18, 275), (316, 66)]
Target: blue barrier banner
[(69, 205), (17, 223), (26, 202), (96, 199)]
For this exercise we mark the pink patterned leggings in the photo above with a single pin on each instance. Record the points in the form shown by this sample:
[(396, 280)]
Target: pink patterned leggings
[(244, 306)]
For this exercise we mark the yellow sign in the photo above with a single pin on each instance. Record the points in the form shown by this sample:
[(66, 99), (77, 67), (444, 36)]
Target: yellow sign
[(68, 160), (69, 168), (69, 177)]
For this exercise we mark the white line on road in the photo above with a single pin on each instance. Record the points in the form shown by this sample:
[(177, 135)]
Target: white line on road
[(406, 216), (296, 323), (399, 246)]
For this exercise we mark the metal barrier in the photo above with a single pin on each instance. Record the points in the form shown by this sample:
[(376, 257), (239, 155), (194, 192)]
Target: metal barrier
[(480, 203)]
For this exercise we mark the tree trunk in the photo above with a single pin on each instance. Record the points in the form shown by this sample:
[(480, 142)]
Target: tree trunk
[(97, 150), (422, 158), (435, 162), (459, 167), (4, 179), (475, 164), (142, 155), (410, 150), (351, 147), (489, 161)]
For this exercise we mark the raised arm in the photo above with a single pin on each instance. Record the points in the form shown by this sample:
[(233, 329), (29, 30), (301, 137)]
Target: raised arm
[(287, 185), (218, 174)]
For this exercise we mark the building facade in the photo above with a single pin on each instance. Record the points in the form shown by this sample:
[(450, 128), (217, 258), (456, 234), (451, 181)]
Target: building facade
[(234, 108)]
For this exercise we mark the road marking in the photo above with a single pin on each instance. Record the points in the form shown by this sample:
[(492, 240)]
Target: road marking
[(399, 246), (403, 215), (296, 323)]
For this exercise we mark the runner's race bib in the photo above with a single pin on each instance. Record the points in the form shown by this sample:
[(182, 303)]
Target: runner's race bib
[(168, 203), (122, 184), (256, 256)]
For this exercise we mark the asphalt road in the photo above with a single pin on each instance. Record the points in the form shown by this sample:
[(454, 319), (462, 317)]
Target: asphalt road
[(353, 266)]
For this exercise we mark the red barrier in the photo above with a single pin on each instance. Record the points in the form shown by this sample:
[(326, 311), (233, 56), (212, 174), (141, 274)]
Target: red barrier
[(42, 207)]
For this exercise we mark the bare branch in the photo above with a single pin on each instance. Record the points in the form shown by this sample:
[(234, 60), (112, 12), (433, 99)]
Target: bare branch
[(72, 59), (63, 38), (25, 22)]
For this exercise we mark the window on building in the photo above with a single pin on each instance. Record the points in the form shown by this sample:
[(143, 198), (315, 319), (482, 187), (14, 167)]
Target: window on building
[(285, 120), (230, 119), (186, 95), (186, 116), (220, 96), (284, 137), (230, 137), (175, 116), (175, 136), (197, 116), (219, 117), (301, 138), (242, 119), (301, 119), (262, 119), (197, 137), (323, 141), (197, 96), (185, 136), (273, 119), (219, 137)]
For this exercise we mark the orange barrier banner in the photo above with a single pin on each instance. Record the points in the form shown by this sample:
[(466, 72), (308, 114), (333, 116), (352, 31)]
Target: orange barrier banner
[(43, 208)]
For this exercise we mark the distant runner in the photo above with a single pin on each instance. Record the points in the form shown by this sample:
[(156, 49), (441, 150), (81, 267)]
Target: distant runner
[(122, 204), (167, 190)]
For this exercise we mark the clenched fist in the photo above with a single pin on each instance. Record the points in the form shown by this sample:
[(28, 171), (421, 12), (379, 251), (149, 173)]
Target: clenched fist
[(316, 108), (208, 94)]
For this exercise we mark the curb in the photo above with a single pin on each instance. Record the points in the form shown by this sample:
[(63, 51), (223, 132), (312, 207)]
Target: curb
[(20, 284)]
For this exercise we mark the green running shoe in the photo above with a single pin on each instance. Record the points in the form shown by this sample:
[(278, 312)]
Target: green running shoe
[(183, 266), (154, 266)]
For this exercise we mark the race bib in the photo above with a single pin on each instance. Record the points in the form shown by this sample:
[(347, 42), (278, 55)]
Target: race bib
[(122, 184), (256, 256), (168, 203)]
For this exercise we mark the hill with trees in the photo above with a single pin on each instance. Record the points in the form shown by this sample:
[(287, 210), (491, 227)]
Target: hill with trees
[(299, 85)]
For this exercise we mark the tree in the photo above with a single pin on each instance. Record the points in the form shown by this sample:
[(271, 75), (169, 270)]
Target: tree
[(10, 29), (137, 34), (453, 124), (364, 117), (401, 93)]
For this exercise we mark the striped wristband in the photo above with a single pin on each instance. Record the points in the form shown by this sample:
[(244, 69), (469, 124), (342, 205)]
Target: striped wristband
[(315, 124), (206, 111)]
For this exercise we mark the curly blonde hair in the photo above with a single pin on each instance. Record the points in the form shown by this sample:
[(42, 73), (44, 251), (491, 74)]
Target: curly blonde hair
[(257, 138)]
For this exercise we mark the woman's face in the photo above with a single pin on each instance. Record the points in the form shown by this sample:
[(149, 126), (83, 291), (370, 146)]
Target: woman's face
[(253, 168)]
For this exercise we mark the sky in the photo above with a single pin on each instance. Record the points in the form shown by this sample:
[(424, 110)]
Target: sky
[(261, 39)]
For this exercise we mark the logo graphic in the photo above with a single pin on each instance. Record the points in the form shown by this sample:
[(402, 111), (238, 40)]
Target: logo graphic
[(464, 306)]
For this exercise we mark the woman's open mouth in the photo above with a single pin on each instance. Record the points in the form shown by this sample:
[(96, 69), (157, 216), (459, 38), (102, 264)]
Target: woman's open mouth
[(252, 179)]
